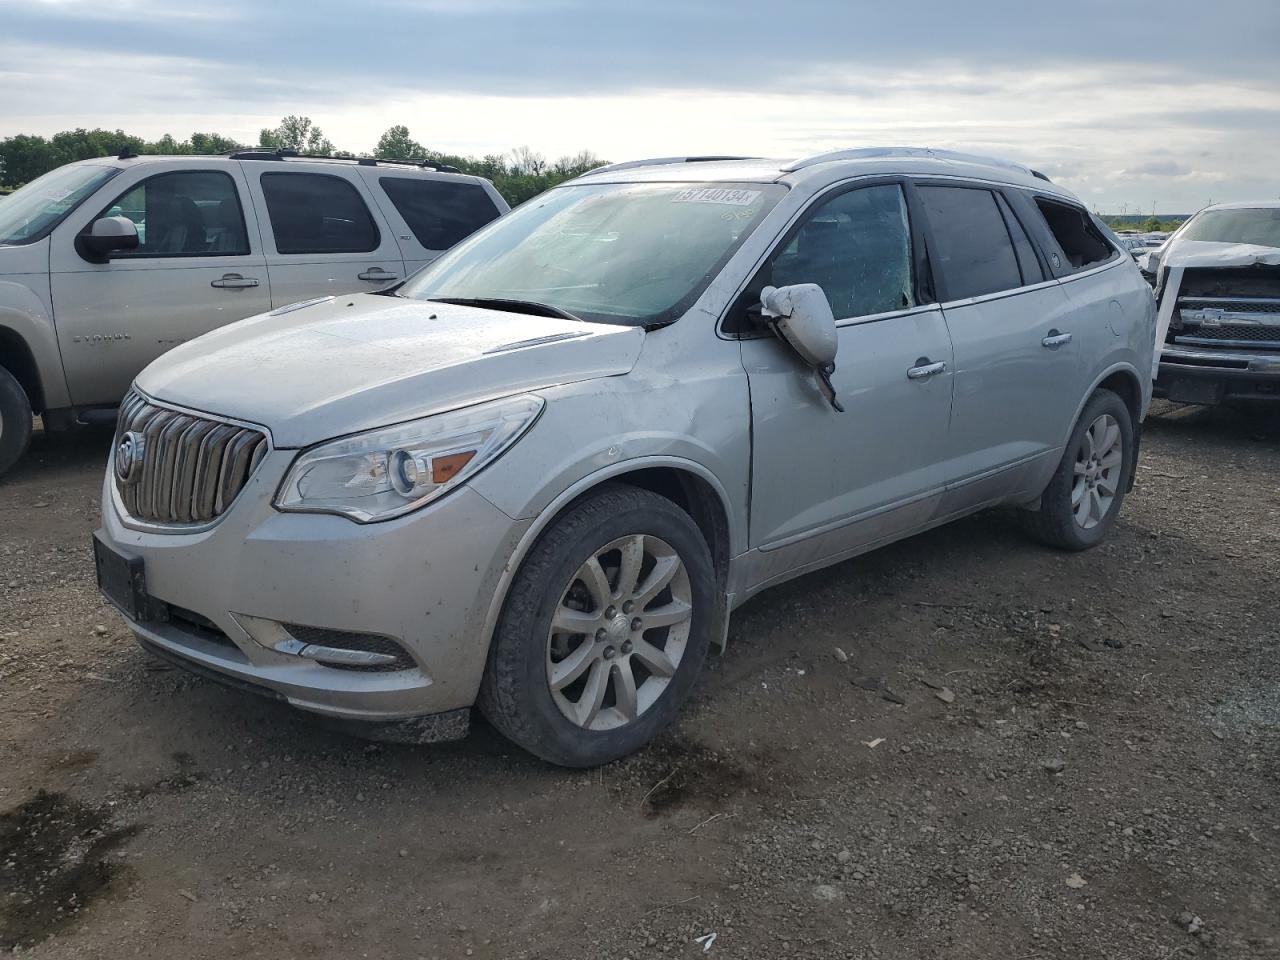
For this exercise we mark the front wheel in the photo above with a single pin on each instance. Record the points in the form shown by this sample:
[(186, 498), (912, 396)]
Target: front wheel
[(1080, 505), (604, 630), (15, 420)]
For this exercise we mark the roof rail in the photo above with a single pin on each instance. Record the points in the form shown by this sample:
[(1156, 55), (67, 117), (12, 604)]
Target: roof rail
[(864, 153), (270, 153), (662, 161)]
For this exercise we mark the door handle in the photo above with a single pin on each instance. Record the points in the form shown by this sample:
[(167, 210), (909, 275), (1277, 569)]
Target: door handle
[(377, 274), (923, 369), (1055, 340), (233, 281)]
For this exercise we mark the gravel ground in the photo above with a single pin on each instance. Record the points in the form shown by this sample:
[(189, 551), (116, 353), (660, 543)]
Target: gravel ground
[(961, 746)]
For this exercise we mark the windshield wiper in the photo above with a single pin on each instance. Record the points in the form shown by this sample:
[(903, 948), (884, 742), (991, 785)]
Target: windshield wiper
[(531, 307)]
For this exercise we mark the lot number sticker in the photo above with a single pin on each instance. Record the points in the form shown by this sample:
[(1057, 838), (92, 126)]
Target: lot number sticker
[(735, 197)]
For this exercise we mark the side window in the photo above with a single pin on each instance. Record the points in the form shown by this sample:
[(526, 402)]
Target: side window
[(1073, 228), (317, 213), (439, 212), (857, 247), (970, 241), (186, 213), (1030, 267)]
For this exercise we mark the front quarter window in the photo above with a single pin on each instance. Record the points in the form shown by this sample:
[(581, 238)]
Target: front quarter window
[(30, 214), (628, 253)]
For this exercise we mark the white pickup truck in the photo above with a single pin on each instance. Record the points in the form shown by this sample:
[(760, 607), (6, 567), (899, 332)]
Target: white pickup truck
[(105, 264)]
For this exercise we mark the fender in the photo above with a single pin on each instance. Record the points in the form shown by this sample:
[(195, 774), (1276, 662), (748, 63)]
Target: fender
[(594, 479), (1119, 367), (23, 314)]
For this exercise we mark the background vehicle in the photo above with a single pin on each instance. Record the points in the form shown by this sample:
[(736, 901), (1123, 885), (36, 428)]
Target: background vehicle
[(543, 474), (1218, 284), (106, 264)]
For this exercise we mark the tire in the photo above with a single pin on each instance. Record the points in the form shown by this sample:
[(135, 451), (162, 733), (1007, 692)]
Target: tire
[(557, 586), (1056, 523), (15, 421)]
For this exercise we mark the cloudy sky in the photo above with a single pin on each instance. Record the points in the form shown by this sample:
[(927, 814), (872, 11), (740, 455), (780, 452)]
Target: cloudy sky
[(1132, 103)]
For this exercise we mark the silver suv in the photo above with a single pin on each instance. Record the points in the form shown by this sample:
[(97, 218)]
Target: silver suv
[(106, 264), (540, 475)]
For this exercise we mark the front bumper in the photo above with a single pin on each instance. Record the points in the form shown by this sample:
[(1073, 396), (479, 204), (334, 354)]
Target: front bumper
[(1209, 376), (425, 580)]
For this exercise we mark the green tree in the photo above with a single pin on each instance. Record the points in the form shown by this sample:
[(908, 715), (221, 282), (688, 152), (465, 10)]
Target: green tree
[(168, 146), (296, 133), (397, 144), (24, 158), (210, 143), (82, 144)]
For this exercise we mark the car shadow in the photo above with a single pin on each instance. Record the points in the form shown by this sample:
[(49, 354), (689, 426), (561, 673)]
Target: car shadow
[(1256, 422)]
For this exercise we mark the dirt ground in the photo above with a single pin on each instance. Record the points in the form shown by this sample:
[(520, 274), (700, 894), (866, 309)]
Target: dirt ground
[(1099, 777)]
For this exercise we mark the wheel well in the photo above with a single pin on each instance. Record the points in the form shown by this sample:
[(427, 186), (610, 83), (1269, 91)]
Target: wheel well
[(695, 497), (15, 356), (1125, 386)]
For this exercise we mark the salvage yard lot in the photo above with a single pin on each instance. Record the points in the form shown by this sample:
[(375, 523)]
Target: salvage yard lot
[(1103, 781)]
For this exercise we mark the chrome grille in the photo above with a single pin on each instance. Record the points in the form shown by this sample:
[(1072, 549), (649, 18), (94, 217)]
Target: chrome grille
[(192, 467)]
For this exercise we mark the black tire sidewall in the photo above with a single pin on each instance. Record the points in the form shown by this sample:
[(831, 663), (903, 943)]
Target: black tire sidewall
[(1057, 496), (523, 628), (15, 421)]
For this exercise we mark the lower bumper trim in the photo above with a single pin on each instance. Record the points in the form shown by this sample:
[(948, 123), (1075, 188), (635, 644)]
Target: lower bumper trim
[(429, 728)]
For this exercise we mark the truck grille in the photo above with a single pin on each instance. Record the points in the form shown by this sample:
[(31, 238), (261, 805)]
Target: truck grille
[(190, 468), (1228, 321)]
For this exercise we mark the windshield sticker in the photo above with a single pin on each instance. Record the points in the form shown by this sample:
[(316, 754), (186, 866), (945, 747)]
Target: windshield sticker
[(736, 197)]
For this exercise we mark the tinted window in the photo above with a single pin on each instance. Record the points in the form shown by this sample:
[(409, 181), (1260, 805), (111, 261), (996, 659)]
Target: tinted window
[(857, 247), (439, 212), (317, 213), (1073, 228), (187, 213), (970, 241), (1027, 262)]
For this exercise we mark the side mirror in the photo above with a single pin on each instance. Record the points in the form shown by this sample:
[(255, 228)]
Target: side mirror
[(801, 316), (107, 235)]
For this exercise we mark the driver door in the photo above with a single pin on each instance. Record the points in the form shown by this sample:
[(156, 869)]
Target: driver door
[(197, 266), (823, 483)]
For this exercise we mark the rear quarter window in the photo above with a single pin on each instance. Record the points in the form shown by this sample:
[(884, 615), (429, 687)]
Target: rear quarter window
[(1083, 244), (439, 212)]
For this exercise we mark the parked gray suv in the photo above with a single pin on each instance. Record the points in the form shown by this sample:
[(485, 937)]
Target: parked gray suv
[(539, 475), (106, 264)]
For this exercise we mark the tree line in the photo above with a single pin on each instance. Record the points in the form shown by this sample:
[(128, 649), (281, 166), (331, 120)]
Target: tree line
[(518, 174)]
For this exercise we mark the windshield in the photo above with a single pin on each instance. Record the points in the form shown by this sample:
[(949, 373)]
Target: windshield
[(628, 253), (30, 213), (1259, 225)]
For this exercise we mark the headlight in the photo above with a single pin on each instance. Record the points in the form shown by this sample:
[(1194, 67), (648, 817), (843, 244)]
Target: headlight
[(388, 472)]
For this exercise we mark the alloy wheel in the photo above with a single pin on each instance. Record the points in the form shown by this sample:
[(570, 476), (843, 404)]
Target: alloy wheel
[(619, 632), (1099, 463)]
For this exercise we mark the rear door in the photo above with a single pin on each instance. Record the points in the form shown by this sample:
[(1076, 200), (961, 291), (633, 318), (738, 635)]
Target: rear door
[(323, 234), (199, 264), (1017, 362), (431, 212)]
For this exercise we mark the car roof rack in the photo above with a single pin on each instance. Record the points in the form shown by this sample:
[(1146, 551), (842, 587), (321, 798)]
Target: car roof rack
[(928, 153), (269, 153), (662, 161)]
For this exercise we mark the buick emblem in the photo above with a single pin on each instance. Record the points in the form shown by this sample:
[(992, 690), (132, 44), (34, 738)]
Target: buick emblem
[(130, 453)]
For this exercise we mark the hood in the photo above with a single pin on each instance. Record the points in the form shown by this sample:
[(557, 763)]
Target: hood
[(1206, 253), (336, 366)]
